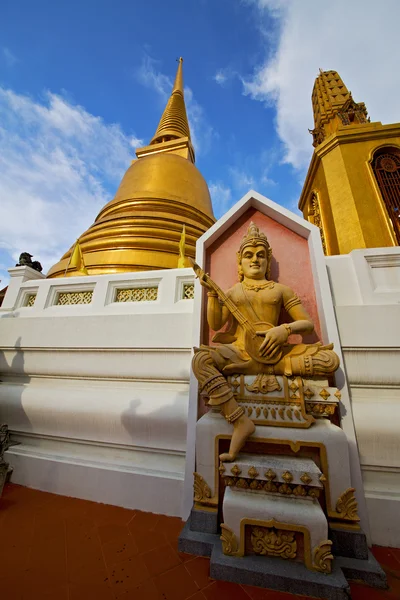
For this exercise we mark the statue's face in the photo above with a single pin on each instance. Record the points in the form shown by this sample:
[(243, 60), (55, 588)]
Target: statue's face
[(254, 262)]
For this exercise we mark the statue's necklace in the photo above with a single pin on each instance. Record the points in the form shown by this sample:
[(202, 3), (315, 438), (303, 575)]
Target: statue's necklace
[(256, 287)]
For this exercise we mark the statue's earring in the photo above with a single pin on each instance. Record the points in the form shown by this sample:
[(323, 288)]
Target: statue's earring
[(240, 270), (269, 258)]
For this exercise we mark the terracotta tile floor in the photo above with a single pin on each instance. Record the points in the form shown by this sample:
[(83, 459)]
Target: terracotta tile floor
[(53, 547)]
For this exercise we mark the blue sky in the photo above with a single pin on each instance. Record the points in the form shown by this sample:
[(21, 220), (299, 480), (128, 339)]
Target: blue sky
[(84, 83)]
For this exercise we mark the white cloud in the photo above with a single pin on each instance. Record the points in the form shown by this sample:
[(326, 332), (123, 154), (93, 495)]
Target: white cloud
[(241, 180), (135, 142), (149, 76), (223, 76), (268, 181), (59, 165), (202, 133), (349, 37), (221, 196), (220, 77), (8, 57)]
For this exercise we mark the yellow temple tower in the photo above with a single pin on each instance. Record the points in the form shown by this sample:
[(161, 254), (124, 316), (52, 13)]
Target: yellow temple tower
[(352, 188), (140, 229)]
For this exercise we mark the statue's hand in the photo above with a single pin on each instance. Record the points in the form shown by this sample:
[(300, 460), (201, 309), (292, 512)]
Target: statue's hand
[(204, 283), (274, 339)]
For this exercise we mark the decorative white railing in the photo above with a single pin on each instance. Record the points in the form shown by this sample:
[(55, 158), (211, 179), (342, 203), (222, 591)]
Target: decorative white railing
[(153, 291)]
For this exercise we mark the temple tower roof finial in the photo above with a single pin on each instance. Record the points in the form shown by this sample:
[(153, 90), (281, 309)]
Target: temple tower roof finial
[(174, 122), (178, 83), (333, 106)]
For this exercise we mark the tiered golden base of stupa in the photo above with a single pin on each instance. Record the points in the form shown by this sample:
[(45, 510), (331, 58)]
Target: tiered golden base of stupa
[(162, 191), (140, 229)]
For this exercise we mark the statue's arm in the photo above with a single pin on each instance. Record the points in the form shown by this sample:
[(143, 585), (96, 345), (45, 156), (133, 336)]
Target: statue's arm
[(217, 313), (302, 322)]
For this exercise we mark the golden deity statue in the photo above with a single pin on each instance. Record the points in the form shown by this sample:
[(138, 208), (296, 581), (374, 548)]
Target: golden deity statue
[(254, 343)]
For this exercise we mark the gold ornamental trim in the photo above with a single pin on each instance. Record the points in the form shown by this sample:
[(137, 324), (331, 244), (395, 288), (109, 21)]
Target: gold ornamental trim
[(321, 409), (236, 471), (315, 559), (298, 406), (202, 491), (305, 478), (299, 490), (347, 505), (291, 408), (188, 291), (229, 541), (253, 473), (285, 489), (137, 294), (268, 401), (241, 483), (270, 475), (271, 487), (66, 298), (30, 300), (324, 394), (264, 383), (314, 493), (287, 477), (323, 557), (273, 542)]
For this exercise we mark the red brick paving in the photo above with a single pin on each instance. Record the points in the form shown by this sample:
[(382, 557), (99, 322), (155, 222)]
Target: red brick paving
[(58, 548)]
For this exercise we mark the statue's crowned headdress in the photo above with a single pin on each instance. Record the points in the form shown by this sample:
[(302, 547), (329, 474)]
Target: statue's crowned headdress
[(254, 237)]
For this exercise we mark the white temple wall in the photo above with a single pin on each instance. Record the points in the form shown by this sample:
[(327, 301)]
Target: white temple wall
[(366, 292), (96, 394)]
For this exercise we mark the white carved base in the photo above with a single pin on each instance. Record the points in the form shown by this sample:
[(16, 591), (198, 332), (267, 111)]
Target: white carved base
[(241, 506)]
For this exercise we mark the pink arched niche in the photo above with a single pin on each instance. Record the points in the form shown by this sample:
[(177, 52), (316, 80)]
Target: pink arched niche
[(291, 265)]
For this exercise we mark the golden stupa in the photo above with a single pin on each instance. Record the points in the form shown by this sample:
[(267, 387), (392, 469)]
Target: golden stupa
[(140, 229)]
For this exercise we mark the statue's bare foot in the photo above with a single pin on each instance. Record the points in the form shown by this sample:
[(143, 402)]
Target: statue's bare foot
[(226, 457), (242, 429)]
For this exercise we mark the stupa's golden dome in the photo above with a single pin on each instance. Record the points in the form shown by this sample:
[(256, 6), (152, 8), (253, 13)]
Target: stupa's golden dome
[(161, 177), (162, 190)]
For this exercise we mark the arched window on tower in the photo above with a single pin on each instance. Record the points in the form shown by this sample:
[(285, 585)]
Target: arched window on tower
[(386, 167), (314, 216)]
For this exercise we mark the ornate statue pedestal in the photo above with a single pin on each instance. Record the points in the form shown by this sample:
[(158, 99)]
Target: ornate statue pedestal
[(288, 527), (283, 515)]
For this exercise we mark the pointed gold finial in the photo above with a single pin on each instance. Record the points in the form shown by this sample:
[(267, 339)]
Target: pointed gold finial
[(178, 83), (174, 122)]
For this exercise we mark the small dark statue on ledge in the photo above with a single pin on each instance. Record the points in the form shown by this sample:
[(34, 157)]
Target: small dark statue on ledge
[(25, 260), (4, 445)]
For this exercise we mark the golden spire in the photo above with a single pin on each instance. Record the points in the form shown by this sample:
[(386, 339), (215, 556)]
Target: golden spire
[(329, 95), (333, 106), (174, 122), (178, 83)]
